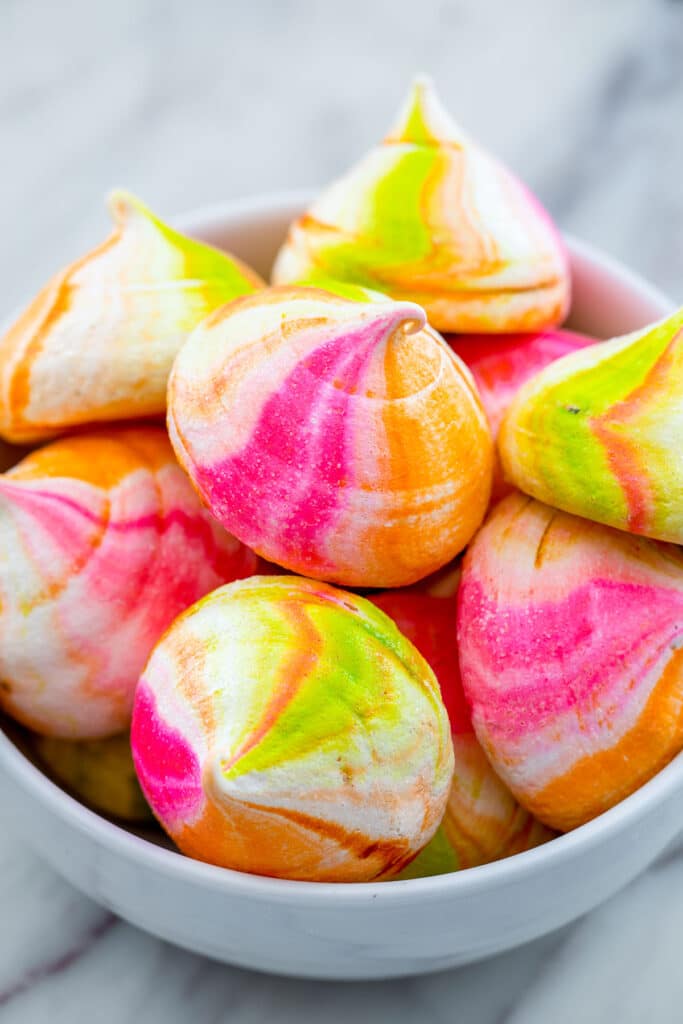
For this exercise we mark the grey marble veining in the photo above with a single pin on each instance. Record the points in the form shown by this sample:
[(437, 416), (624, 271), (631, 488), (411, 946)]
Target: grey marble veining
[(187, 103)]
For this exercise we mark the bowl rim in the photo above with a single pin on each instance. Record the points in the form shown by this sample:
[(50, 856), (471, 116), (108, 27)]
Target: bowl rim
[(469, 881)]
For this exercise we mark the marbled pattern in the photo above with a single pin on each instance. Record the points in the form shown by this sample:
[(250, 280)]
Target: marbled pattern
[(429, 216), (598, 433), (103, 542), (343, 440), (287, 728), (161, 103), (98, 341), (570, 636)]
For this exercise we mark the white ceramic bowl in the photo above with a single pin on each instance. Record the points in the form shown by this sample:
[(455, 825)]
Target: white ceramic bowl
[(356, 931)]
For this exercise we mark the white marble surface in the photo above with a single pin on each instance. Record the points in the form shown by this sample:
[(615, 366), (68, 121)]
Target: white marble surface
[(187, 103)]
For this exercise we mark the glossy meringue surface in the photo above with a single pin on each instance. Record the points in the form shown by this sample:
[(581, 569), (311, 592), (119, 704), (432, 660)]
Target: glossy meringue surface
[(501, 363), (483, 822), (341, 440), (571, 651), (284, 727), (430, 217), (97, 343), (599, 433), (102, 543)]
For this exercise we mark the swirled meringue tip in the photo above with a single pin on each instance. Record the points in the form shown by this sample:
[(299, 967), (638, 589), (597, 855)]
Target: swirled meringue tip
[(571, 650), (98, 772), (423, 120), (429, 216), (483, 821), (287, 728), (598, 433), (343, 441), (105, 542), (97, 343), (502, 363)]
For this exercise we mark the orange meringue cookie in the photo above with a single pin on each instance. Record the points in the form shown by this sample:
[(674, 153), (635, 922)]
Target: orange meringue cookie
[(342, 440)]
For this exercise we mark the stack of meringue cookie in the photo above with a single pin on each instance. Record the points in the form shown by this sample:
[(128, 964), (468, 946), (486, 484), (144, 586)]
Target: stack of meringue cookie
[(257, 621)]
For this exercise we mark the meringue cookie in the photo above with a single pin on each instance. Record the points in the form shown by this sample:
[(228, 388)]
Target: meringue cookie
[(102, 542), (430, 217), (483, 821), (600, 433), (500, 364), (287, 728), (97, 343), (571, 651), (344, 441), (98, 772)]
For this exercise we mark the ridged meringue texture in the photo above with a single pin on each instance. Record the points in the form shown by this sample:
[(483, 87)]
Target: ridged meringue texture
[(483, 821), (571, 651), (102, 543), (600, 433), (430, 217), (97, 343), (286, 728), (344, 441), (501, 363), (98, 772)]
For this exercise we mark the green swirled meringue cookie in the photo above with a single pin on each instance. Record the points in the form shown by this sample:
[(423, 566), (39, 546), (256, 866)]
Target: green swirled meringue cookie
[(97, 343), (287, 728), (599, 433), (430, 217)]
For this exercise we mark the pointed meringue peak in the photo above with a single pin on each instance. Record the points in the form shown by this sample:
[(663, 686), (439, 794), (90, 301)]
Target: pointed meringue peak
[(429, 216), (122, 205), (407, 317), (200, 262), (598, 433), (97, 343), (325, 446), (423, 120)]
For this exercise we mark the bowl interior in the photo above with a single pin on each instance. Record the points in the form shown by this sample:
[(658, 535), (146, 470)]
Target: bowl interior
[(608, 300)]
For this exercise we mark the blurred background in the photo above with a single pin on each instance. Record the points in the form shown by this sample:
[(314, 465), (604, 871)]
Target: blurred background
[(188, 102)]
